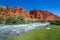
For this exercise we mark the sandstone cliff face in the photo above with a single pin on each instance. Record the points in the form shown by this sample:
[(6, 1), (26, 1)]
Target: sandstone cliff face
[(17, 11), (34, 14), (44, 15)]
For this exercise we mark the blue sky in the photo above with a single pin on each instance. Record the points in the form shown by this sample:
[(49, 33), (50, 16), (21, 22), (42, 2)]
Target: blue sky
[(50, 5)]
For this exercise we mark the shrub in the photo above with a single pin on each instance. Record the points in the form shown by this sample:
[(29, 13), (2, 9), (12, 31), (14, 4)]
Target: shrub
[(40, 21), (2, 20), (55, 22), (21, 19), (33, 21), (11, 20), (30, 21)]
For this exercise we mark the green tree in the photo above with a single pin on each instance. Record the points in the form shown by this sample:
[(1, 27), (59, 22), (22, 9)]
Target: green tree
[(11, 20), (2, 20), (54, 22), (21, 19)]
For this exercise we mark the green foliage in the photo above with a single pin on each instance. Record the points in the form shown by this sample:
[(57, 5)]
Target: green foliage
[(42, 21), (2, 20), (15, 20), (55, 22), (18, 20), (30, 21), (11, 20), (33, 21), (21, 19)]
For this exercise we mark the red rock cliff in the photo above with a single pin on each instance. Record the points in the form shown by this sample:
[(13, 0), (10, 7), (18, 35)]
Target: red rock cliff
[(44, 15), (35, 14), (16, 11)]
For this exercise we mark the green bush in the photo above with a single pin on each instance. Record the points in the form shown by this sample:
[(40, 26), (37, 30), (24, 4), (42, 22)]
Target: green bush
[(55, 22), (30, 21), (11, 20), (21, 19), (40, 21), (37, 21), (2, 20), (15, 20)]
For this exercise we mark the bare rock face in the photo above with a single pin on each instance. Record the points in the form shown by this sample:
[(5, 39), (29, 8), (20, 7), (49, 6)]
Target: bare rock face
[(44, 15), (34, 14), (8, 11), (17, 11)]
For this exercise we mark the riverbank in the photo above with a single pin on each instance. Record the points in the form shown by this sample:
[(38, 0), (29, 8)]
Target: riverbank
[(9, 31), (51, 32)]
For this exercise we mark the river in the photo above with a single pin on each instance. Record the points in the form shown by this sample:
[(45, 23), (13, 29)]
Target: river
[(8, 31)]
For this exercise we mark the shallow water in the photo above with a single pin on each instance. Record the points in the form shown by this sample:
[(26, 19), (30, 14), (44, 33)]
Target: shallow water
[(7, 31)]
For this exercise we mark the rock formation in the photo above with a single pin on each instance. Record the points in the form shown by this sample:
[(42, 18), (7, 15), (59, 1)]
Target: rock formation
[(17, 11), (44, 15), (34, 14)]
